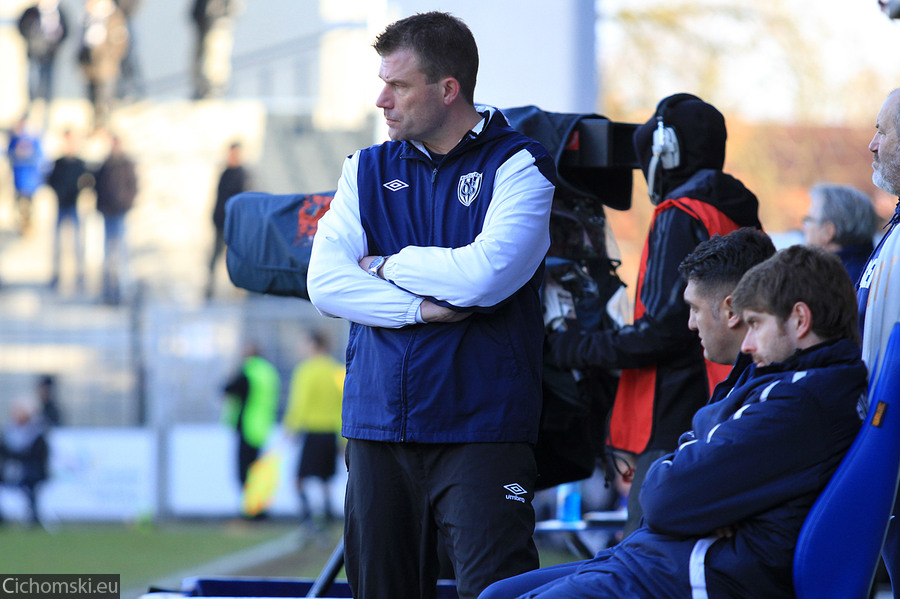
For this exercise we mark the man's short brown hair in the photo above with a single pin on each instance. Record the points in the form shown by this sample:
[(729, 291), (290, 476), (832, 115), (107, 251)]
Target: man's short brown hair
[(444, 47), (805, 274)]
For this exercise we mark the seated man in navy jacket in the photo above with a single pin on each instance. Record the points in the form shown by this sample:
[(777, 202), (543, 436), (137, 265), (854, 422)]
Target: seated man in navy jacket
[(723, 512)]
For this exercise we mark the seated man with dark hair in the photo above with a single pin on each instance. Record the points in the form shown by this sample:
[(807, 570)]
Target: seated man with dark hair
[(723, 512), (711, 272)]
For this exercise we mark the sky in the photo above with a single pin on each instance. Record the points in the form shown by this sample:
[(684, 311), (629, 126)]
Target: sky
[(850, 39)]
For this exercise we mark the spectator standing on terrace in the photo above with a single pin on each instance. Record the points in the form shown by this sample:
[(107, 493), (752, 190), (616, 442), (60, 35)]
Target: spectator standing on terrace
[(131, 81), (104, 43), (44, 27), (116, 186), (28, 165), (67, 178), (233, 180), (214, 37)]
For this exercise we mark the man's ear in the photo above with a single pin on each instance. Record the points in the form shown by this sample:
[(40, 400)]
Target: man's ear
[(830, 230), (801, 319), (450, 89), (732, 318)]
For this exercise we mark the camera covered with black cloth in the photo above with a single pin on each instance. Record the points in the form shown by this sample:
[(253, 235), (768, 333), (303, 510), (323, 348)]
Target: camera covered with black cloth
[(595, 162)]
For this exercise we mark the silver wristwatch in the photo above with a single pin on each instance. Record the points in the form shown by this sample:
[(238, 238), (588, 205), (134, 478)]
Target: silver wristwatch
[(375, 264)]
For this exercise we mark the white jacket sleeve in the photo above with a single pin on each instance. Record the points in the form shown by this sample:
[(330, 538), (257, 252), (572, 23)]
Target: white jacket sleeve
[(502, 258), (337, 286)]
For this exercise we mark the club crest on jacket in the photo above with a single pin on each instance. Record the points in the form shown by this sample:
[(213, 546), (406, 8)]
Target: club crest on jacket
[(468, 188)]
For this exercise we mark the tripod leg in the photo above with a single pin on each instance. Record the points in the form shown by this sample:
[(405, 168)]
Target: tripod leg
[(329, 572)]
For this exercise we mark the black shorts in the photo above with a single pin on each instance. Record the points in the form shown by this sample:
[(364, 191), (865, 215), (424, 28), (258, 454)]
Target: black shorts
[(318, 453)]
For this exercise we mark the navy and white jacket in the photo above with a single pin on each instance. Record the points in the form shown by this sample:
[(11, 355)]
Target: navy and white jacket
[(469, 232), (878, 295), (756, 460)]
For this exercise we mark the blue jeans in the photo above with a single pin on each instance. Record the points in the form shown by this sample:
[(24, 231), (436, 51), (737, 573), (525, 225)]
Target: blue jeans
[(115, 257), (70, 214)]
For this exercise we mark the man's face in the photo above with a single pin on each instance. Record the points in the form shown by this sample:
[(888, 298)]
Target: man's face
[(767, 340), (885, 147), (715, 323), (234, 156), (413, 108), (816, 230)]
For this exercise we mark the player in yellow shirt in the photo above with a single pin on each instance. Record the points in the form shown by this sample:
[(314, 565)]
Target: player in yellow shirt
[(314, 414)]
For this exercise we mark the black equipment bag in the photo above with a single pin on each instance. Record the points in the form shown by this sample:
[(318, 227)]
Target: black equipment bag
[(594, 159), (576, 404)]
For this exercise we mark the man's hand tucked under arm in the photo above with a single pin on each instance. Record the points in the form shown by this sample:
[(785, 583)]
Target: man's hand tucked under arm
[(431, 312)]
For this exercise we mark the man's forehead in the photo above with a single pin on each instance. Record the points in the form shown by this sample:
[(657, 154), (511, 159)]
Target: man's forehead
[(889, 108), (693, 288), (700, 291), (400, 64)]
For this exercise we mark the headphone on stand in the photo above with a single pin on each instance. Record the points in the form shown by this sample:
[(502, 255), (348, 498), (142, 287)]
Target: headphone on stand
[(665, 153)]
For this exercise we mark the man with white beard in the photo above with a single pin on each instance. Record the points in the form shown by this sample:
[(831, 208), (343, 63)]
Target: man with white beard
[(879, 300), (878, 294)]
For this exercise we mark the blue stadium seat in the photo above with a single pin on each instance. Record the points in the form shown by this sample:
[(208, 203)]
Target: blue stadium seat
[(839, 546)]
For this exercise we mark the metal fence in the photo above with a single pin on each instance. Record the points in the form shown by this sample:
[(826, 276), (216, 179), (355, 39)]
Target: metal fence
[(147, 362)]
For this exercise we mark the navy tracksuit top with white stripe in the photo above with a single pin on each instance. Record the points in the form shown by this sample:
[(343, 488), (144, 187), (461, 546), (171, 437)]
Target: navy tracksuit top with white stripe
[(756, 460), (477, 380)]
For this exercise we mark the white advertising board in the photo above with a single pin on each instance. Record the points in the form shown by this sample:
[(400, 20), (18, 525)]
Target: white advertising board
[(95, 474), (113, 474)]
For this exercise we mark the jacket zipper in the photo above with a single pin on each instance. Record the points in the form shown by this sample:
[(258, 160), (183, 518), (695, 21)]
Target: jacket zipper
[(404, 400)]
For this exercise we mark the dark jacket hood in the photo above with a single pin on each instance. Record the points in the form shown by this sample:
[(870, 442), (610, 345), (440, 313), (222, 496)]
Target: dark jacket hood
[(700, 129), (722, 191)]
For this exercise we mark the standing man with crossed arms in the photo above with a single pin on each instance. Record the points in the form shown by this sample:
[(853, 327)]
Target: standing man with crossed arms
[(433, 249)]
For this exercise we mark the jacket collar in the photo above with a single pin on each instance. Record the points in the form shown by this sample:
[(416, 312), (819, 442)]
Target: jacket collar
[(827, 353)]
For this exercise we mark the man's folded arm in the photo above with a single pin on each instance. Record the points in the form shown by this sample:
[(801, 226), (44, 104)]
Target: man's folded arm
[(502, 258), (745, 466), (337, 286)]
